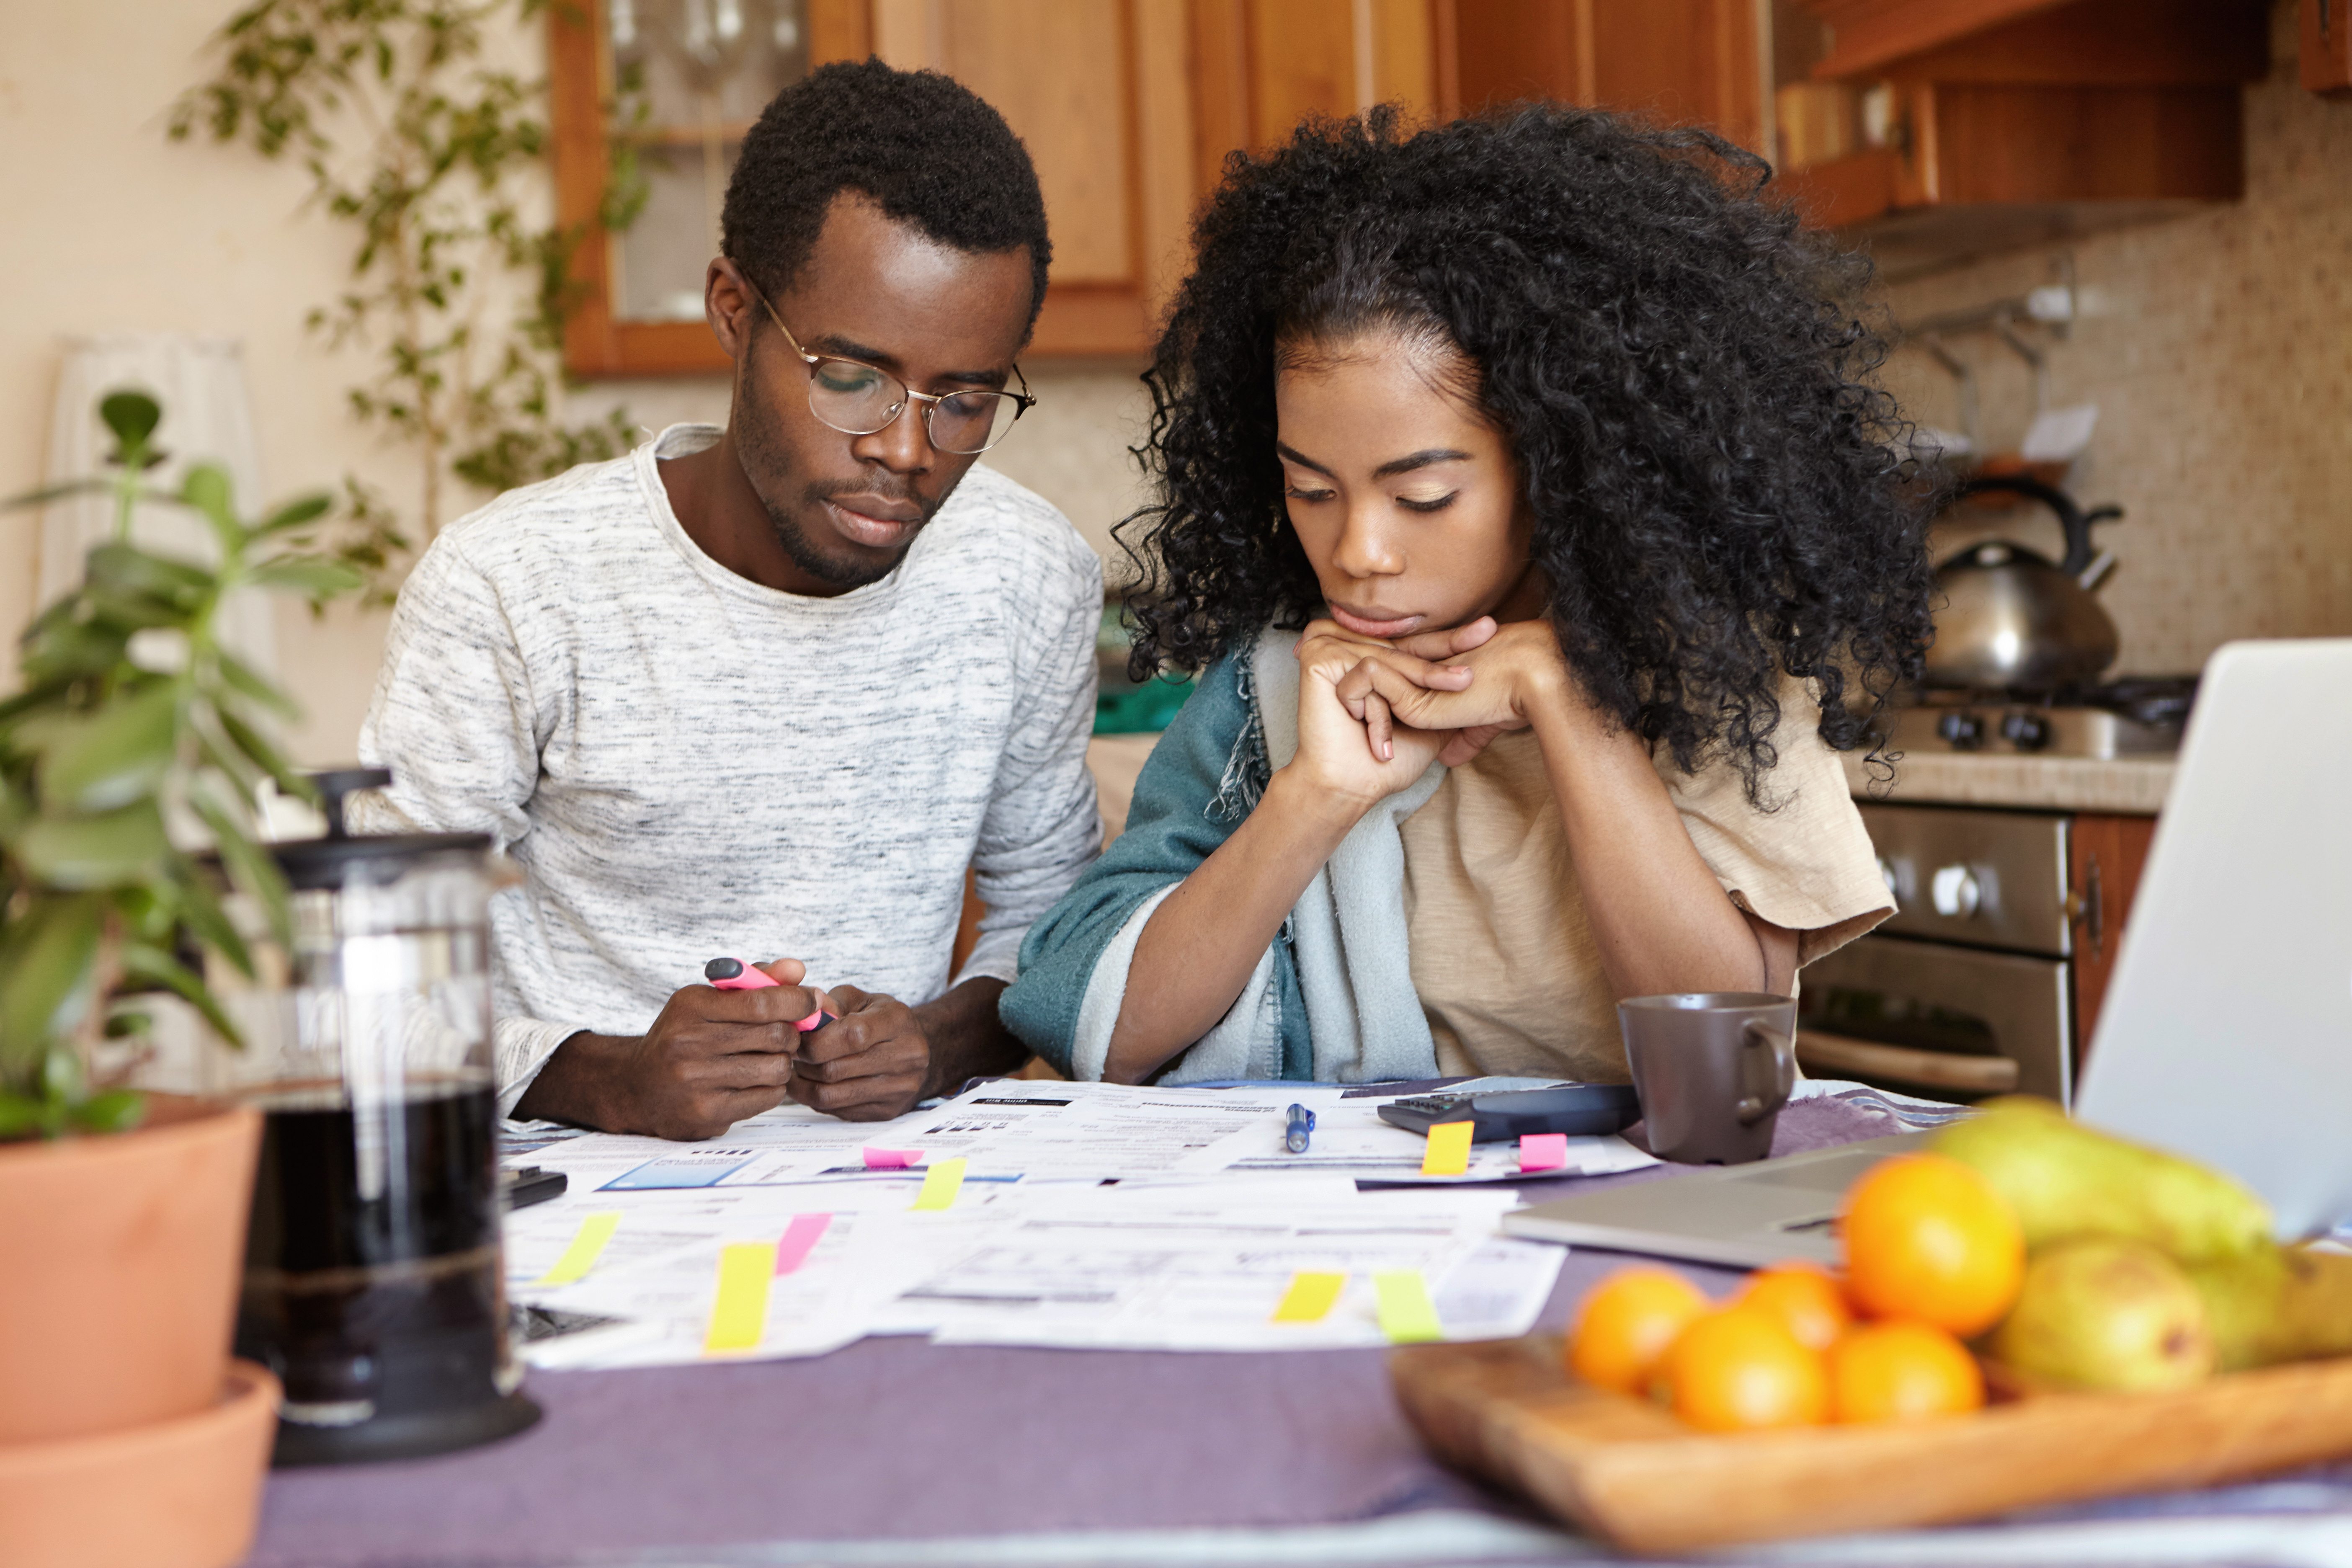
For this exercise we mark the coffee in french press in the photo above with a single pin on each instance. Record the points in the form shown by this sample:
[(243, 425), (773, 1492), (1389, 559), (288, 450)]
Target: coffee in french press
[(373, 1283)]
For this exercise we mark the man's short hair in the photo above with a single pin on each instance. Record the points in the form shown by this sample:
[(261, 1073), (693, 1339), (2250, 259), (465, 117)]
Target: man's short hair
[(927, 149)]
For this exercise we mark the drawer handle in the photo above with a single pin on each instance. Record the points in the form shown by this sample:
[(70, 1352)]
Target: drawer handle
[(1938, 1070)]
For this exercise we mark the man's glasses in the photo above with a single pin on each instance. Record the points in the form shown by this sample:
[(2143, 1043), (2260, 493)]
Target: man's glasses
[(858, 400)]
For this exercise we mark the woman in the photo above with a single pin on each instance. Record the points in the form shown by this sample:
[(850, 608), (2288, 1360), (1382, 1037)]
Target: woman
[(1521, 500)]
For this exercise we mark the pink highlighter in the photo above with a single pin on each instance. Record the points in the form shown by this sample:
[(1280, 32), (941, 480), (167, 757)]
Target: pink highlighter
[(734, 975)]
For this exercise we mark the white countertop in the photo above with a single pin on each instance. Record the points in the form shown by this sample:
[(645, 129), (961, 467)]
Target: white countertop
[(2133, 785)]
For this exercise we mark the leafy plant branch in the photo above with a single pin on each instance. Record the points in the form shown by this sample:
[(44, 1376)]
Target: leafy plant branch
[(432, 155), (134, 748)]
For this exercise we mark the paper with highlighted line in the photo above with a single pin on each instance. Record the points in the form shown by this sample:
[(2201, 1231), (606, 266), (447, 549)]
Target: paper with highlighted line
[(1212, 1266), (661, 1270), (1002, 1129)]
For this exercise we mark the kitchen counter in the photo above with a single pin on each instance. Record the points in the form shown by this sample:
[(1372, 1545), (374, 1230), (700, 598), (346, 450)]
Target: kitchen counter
[(2131, 785)]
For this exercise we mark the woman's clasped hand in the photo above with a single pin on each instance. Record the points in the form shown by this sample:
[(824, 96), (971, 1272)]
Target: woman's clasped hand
[(1446, 693)]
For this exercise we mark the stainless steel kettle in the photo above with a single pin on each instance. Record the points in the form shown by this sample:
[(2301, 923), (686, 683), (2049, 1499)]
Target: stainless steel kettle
[(2010, 619)]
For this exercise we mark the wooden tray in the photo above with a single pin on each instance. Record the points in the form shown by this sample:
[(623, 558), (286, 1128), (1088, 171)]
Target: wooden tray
[(1624, 1469)]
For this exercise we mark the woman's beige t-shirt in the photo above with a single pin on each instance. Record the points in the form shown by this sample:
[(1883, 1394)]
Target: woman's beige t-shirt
[(1503, 954)]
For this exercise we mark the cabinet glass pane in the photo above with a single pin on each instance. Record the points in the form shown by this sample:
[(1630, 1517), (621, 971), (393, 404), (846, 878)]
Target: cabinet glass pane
[(706, 69)]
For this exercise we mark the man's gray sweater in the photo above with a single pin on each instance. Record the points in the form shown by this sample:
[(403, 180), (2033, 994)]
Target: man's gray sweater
[(685, 764)]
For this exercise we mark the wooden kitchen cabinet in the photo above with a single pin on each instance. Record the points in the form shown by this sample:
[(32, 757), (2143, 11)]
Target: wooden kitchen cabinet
[(2323, 62), (1128, 108), (1673, 61), (1930, 129), (1099, 92), (1994, 123), (1100, 89), (2105, 855)]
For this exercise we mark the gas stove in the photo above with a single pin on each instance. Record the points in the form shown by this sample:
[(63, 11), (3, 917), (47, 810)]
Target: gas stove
[(2137, 717)]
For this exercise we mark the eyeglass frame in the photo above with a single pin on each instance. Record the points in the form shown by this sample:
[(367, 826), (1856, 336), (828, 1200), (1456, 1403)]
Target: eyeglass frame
[(1022, 400)]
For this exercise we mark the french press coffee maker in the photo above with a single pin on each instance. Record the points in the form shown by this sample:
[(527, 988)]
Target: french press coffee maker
[(373, 1279)]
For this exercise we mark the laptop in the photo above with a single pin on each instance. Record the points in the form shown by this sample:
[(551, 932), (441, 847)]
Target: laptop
[(2226, 1034)]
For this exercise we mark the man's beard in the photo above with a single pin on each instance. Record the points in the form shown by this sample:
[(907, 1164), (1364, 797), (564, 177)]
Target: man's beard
[(852, 573)]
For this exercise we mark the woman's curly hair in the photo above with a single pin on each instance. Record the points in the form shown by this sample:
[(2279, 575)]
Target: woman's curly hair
[(1717, 492)]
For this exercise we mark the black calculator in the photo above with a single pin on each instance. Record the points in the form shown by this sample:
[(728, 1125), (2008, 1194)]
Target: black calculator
[(1578, 1109)]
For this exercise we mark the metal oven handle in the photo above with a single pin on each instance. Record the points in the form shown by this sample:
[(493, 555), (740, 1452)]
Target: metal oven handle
[(1934, 1069)]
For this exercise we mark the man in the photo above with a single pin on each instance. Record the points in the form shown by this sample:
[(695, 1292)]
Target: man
[(770, 690)]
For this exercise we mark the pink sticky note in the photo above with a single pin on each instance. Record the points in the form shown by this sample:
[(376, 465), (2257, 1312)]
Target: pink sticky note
[(892, 1159), (1543, 1151), (800, 1239)]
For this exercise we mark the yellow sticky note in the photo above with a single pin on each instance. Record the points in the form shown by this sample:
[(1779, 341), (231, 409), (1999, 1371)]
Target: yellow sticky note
[(1448, 1153), (739, 1318), (940, 1184), (587, 1246), (1407, 1314), (1310, 1297)]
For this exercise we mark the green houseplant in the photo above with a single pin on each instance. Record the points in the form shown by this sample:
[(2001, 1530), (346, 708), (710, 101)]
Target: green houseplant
[(127, 765), (429, 153)]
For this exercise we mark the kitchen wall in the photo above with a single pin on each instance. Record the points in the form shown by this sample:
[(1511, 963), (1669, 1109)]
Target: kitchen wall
[(105, 225), (2219, 349)]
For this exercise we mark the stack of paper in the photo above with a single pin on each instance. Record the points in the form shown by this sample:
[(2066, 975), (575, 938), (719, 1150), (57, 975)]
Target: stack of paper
[(987, 1220)]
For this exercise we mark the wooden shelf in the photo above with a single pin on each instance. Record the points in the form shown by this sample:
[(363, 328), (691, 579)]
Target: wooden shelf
[(2080, 43), (2023, 122)]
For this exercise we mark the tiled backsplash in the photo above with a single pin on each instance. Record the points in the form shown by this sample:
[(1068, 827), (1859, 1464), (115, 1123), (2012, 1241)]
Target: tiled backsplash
[(2219, 349)]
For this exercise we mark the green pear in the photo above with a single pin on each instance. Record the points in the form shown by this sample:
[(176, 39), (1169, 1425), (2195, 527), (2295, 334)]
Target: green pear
[(2278, 1304), (2102, 1312), (2064, 1179)]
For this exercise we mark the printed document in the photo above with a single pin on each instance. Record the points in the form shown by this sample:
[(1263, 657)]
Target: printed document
[(1088, 1215)]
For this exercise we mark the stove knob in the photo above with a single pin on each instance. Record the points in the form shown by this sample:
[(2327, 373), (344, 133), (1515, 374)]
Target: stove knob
[(1954, 892), (1886, 875), (2026, 732), (1964, 731)]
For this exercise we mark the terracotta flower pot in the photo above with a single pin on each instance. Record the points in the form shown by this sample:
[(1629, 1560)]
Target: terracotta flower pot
[(182, 1493), (121, 1258)]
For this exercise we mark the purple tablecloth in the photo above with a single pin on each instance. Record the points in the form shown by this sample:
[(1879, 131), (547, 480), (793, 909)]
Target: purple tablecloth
[(900, 1439)]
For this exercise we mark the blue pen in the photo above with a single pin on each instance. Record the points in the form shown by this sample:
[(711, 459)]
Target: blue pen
[(1301, 1122)]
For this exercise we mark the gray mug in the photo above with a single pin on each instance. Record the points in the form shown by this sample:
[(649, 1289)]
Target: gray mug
[(1712, 1069)]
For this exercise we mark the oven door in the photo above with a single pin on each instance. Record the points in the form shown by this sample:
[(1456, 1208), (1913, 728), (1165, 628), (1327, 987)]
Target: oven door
[(1950, 1022)]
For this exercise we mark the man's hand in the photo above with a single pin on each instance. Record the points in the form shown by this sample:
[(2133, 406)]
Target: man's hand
[(881, 1056), (714, 1057), (872, 1063), (711, 1058)]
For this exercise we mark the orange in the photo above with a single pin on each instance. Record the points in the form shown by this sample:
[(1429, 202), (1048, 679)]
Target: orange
[(1927, 1237), (1628, 1323), (1740, 1370), (1805, 1299), (1900, 1372)]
